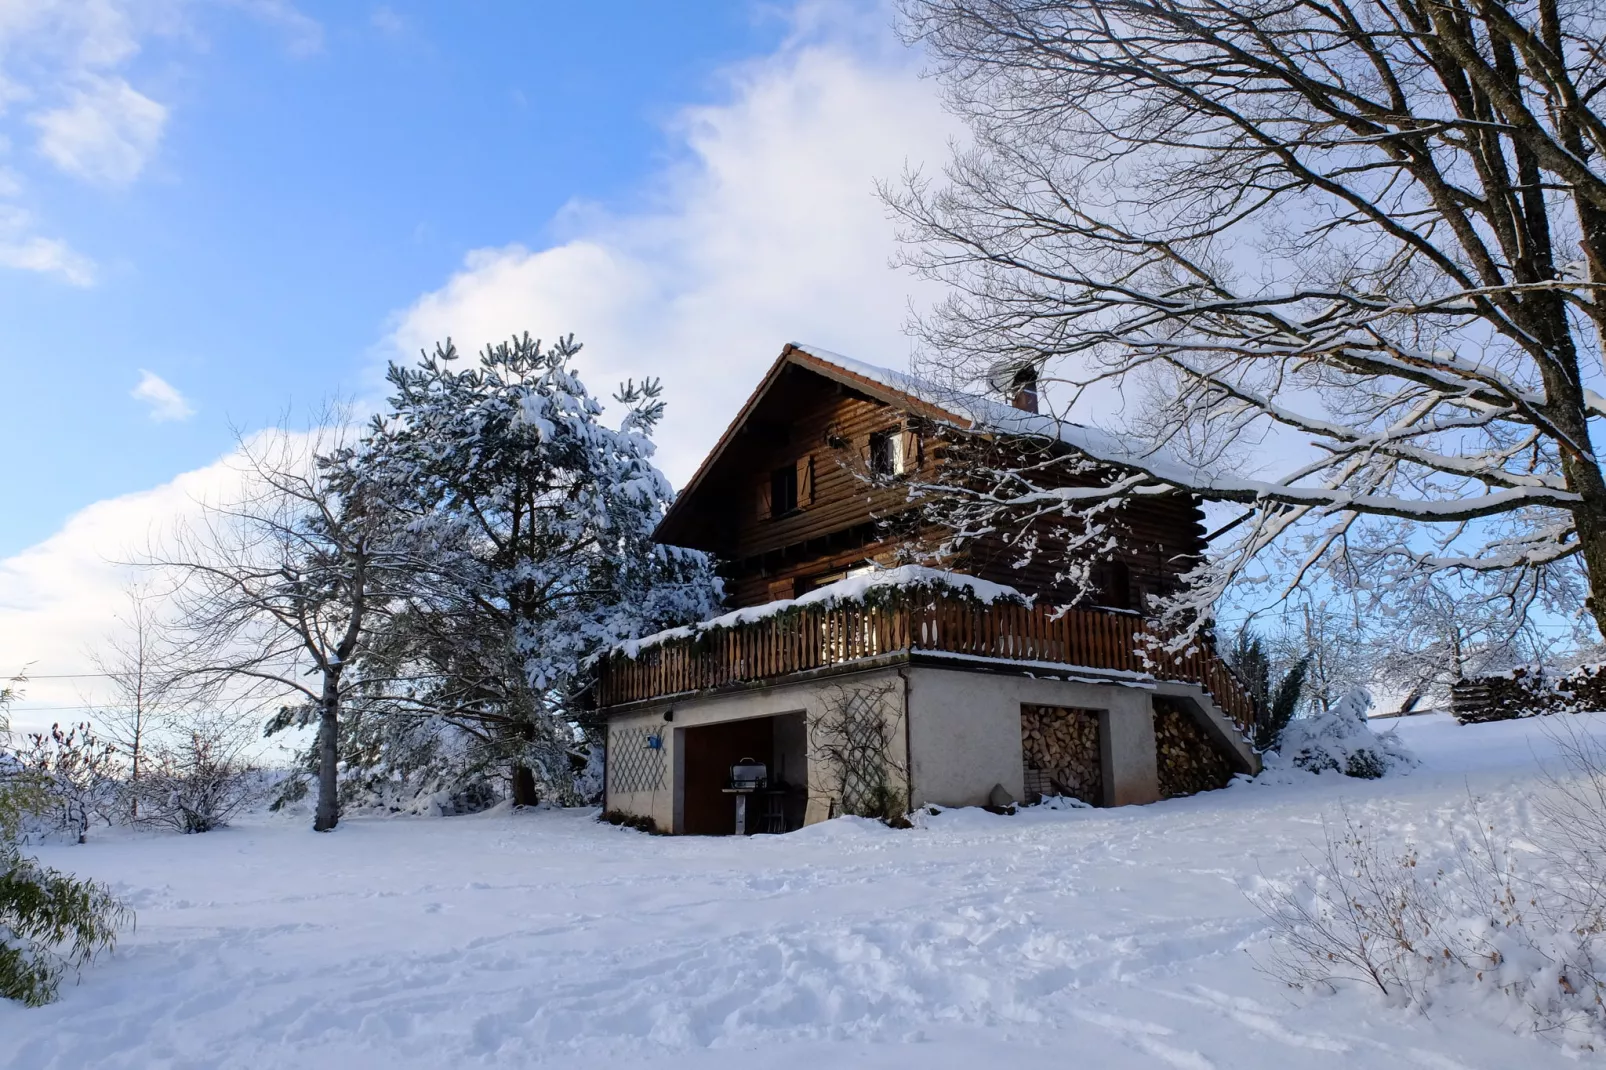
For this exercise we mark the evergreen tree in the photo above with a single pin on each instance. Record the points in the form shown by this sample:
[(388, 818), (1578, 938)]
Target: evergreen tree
[(542, 516), (1274, 705)]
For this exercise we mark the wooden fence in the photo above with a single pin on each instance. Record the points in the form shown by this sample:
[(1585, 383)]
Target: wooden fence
[(818, 636)]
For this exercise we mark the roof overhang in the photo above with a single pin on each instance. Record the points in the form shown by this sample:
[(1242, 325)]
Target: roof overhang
[(794, 355)]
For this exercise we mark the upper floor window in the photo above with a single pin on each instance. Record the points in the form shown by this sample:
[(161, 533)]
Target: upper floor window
[(783, 490), (786, 489), (891, 453)]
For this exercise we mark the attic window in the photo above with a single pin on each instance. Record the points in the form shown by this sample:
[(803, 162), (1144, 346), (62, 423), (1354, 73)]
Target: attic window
[(783, 490), (892, 453)]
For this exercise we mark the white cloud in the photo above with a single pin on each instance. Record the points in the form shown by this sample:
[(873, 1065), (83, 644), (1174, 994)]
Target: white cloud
[(60, 597), (767, 231), (303, 34), (166, 403), (105, 133), (64, 67), (386, 21), (25, 251)]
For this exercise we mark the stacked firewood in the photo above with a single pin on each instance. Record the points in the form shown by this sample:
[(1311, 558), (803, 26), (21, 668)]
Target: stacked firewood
[(1062, 752), (1188, 760)]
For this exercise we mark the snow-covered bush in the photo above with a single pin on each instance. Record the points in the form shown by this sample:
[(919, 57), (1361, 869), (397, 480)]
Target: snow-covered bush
[(76, 774), (1511, 910), (1522, 928), (1341, 740), (50, 922), (197, 782)]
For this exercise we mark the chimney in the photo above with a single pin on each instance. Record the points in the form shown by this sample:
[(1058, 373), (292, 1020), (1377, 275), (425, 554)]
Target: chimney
[(1023, 389)]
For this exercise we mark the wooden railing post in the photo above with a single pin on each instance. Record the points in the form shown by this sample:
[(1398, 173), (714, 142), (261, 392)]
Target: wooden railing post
[(817, 636)]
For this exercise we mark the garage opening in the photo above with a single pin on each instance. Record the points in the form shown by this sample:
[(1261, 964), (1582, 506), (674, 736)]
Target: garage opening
[(1061, 750), (709, 809)]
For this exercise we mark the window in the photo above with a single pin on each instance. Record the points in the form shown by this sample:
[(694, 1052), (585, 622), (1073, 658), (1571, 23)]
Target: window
[(1115, 585), (886, 454), (893, 453), (783, 490)]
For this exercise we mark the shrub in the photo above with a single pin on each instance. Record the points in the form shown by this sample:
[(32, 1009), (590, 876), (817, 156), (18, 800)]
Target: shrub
[(1522, 916), (50, 922), (630, 821), (1341, 740), (77, 774), (197, 783)]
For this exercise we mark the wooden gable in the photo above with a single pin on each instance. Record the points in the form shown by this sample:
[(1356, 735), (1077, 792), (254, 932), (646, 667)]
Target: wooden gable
[(815, 420), (783, 500)]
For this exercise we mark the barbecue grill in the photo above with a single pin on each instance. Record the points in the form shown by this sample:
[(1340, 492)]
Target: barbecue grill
[(747, 776)]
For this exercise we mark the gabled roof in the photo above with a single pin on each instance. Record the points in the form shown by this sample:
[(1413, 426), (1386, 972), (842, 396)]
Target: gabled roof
[(898, 389), (975, 411), (910, 393)]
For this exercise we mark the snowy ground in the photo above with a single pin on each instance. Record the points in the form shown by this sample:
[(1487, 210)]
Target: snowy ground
[(1073, 938)]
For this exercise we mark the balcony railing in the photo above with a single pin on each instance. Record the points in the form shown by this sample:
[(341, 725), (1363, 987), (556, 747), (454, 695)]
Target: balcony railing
[(819, 636)]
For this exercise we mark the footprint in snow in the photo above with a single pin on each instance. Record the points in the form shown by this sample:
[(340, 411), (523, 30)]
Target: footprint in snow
[(1258, 1018), (1141, 1035)]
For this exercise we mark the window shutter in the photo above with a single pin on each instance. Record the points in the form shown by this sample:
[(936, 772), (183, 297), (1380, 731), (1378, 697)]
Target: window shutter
[(805, 481), (764, 498), (907, 457)]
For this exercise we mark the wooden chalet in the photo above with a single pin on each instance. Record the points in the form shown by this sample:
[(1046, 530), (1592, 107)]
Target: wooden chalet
[(839, 647)]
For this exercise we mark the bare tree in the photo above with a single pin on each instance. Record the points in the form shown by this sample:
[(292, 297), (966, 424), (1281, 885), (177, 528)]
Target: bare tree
[(1443, 631), (1360, 245), (281, 584), (131, 661)]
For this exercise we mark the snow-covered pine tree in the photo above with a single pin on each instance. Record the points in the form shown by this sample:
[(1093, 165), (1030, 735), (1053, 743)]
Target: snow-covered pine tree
[(546, 516)]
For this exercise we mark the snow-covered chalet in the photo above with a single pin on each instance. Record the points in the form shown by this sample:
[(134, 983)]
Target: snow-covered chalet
[(862, 682)]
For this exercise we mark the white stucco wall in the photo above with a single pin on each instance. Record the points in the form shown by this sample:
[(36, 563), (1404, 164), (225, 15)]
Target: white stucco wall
[(964, 734), (953, 735), (810, 699)]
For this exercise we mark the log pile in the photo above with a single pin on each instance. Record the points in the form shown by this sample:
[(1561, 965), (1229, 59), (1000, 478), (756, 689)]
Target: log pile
[(1061, 749), (1528, 691), (1188, 760)]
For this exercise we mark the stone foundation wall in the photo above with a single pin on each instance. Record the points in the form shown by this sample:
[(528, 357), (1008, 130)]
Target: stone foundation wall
[(1187, 759), (1060, 747)]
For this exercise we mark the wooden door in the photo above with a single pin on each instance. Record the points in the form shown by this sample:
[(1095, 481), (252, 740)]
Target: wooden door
[(711, 750)]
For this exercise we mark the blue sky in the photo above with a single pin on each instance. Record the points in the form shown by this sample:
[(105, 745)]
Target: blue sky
[(214, 212), (308, 182)]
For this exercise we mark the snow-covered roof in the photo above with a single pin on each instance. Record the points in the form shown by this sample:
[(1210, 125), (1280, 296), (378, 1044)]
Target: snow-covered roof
[(852, 589), (984, 412), (934, 400)]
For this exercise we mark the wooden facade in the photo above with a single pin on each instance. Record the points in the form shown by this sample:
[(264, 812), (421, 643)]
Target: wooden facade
[(813, 480)]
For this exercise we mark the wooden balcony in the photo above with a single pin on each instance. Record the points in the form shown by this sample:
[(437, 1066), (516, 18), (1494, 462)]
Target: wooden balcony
[(812, 637)]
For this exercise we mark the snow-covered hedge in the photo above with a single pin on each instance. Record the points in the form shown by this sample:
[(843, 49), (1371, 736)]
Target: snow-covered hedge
[(1341, 740)]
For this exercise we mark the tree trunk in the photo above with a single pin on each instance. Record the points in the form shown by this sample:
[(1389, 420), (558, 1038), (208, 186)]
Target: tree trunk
[(328, 812), (524, 790), (1591, 527)]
